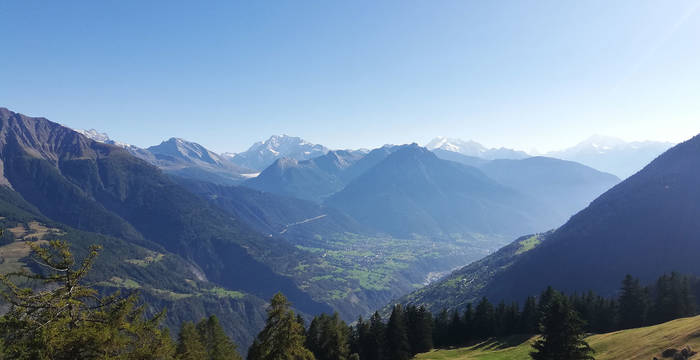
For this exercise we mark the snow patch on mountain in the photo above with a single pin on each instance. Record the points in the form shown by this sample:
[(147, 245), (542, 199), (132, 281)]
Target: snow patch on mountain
[(473, 148)]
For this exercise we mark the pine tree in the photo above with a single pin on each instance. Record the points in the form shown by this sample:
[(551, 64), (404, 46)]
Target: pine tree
[(327, 338), (440, 329), (484, 319), (282, 338), (189, 344), (424, 331), (398, 347), (454, 329), (632, 304), (218, 345), (529, 318), (376, 341), (358, 337), (468, 324), (561, 333)]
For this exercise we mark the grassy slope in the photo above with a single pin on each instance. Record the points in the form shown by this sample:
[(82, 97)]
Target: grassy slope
[(643, 343)]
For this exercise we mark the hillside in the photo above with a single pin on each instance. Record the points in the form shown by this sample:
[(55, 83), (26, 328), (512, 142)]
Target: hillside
[(322, 264), (412, 192), (313, 180), (183, 158), (361, 270), (565, 187), (275, 215), (644, 226), (164, 280), (634, 344)]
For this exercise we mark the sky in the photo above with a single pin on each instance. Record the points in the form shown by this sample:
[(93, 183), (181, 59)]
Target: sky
[(349, 74)]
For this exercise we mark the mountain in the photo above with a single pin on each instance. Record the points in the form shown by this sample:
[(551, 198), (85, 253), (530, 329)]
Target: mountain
[(188, 159), (164, 280), (613, 155), (262, 154), (103, 189), (565, 187), (460, 158), (275, 215), (183, 158), (412, 191), (318, 178), (313, 179), (646, 226), (206, 248), (474, 149)]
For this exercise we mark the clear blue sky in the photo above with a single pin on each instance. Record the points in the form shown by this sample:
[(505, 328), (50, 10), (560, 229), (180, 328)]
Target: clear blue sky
[(348, 74)]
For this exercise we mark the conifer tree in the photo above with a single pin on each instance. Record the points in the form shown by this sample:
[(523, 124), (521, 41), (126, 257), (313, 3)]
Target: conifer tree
[(561, 332), (529, 318), (282, 338), (398, 347), (632, 304), (327, 338), (440, 329), (484, 319), (217, 344), (423, 335), (468, 324), (454, 329), (376, 339), (189, 343), (68, 320)]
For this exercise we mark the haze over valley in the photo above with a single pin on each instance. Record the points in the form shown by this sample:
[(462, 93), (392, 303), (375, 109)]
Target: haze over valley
[(394, 180)]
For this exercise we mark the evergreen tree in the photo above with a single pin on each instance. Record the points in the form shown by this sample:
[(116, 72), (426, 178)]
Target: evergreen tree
[(217, 344), (512, 319), (282, 338), (398, 347), (632, 310), (529, 318), (376, 342), (484, 319), (562, 332), (327, 338), (454, 329), (358, 338), (468, 324), (423, 335), (189, 344), (68, 320), (440, 332)]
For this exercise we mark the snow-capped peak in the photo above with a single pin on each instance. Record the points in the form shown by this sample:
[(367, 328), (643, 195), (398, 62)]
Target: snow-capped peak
[(263, 153), (95, 135)]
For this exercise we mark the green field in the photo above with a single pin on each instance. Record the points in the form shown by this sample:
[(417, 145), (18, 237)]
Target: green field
[(635, 344)]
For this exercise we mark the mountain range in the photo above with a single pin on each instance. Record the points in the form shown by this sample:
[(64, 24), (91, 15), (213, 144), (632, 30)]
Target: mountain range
[(474, 149), (262, 154), (645, 226), (613, 155), (335, 230)]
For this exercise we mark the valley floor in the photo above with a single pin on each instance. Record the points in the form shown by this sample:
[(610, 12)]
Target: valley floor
[(634, 344)]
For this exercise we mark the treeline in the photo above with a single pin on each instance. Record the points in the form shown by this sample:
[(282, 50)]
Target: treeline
[(411, 330), (67, 320), (670, 297)]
